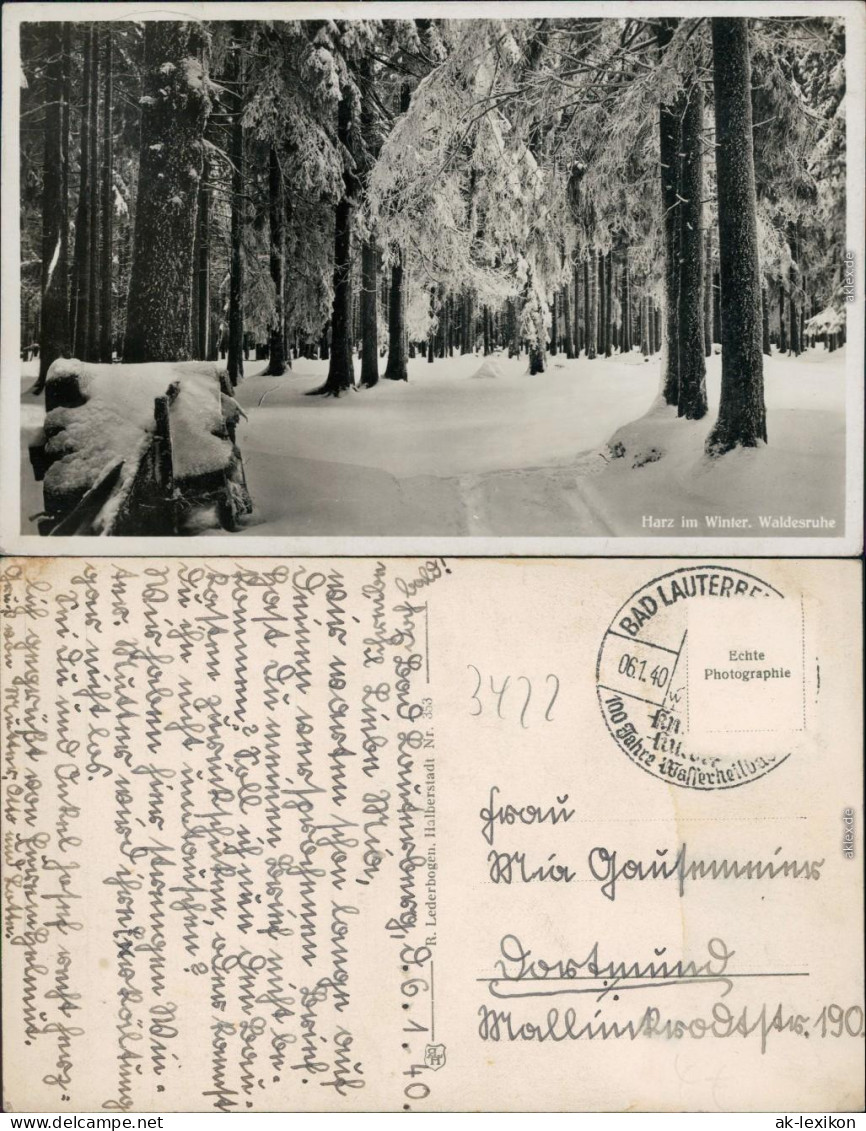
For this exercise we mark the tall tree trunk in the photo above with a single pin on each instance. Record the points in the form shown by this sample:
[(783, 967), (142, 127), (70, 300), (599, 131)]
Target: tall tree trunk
[(626, 305), (446, 322), (369, 314), (396, 368), (65, 128), (276, 216), (600, 324), (471, 320), (742, 417), (355, 322), (81, 257), (554, 327), (765, 320), (717, 308), (566, 316), (461, 306), (341, 372), (288, 332), (692, 389), (577, 307), (793, 323), (708, 295), (608, 305), (173, 117), (793, 276), (128, 244), (783, 326), (651, 325), (431, 337), (592, 309), (532, 317), (600, 288), (235, 364), (202, 299), (54, 325), (93, 226), (106, 339), (670, 116)]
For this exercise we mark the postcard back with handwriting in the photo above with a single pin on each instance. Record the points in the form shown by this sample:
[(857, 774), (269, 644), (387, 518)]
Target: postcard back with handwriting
[(421, 835)]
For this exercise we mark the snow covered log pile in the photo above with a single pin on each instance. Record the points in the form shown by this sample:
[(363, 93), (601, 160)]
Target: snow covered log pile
[(138, 450)]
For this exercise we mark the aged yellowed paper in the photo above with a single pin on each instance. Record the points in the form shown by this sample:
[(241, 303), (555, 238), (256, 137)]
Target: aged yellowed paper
[(463, 278), (431, 835)]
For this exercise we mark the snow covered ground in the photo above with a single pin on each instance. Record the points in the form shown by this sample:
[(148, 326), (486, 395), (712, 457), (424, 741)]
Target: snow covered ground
[(445, 454), (794, 486), (450, 453)]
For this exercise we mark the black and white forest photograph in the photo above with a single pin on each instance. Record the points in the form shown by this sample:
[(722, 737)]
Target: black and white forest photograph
[(511, 276)]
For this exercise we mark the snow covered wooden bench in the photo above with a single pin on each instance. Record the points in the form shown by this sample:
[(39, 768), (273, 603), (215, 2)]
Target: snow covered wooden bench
[(138, 450)]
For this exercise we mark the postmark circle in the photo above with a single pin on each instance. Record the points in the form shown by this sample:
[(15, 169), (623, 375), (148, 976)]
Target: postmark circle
[(685, 728)]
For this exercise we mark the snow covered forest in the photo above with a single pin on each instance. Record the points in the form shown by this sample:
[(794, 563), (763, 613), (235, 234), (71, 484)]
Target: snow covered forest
[(543, 276)]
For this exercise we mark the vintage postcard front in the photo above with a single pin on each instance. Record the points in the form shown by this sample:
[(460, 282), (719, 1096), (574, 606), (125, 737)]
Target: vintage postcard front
[(471, 278), (431, 835)]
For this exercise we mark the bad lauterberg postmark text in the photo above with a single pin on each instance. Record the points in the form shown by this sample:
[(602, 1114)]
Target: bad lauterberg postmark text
[(696, 656)]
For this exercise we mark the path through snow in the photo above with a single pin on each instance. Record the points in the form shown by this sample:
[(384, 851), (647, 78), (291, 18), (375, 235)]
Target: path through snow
[(440, 455)]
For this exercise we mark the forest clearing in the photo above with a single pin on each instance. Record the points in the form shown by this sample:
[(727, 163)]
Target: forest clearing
[(530, 277)]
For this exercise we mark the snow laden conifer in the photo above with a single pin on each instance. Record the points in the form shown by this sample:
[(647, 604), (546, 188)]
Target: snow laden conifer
[(798, 97), (289, 112), (174, 107), (460, 192)]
